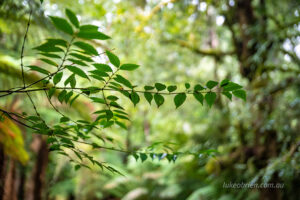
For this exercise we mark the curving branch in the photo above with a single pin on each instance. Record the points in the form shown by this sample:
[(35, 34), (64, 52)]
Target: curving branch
[(204, 52)]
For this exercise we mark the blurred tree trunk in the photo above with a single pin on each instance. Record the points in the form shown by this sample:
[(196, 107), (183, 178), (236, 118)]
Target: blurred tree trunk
[(22, 181), (2, 171), (36, 185), (242, 23), (10, 182)]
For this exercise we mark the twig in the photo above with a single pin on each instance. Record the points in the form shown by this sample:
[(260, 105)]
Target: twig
[(23, 46), (108, 89)]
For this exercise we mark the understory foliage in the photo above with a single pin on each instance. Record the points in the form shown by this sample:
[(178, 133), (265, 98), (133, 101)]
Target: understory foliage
[(68, 60)]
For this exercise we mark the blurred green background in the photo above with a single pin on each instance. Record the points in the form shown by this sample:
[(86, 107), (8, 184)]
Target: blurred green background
[(252, 42)]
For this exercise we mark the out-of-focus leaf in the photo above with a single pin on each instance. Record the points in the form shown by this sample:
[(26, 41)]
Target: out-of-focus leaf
[(72, 17), (87, 48), (199, 97), (210, 98), (102, 67), (129, 67), (11, 140), (113, 58), (159, 99), (148, 97), (134, 97), (62, 24), (38, 69), (211, 84), (57, 77), (240, 94), (77, 71), (91, 32)]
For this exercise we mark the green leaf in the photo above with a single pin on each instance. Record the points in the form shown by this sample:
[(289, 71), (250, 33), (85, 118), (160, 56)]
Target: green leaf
[(55, 41), (199, 97), (57, 77), (78, 62), (129, 67), (62, 24), (148, 97), (179, 99), (109, 114), (120, 112), (71, 79), (122, 125), (99, 78), (123, 81), (198, 87), (172, 88), (64, 119), (66, 141), (98, 100), (231, 86), (143, 157), (38, 69), (116, 105), (33, 118), (134, 97), (41, 1), (147, 87), (99, 73), (72, 17), (46, 47), (211, 84), (91, 32), (228, 95), (112, 98), (81, 57), (77, 167), (160, 86), (224, 82), (187, 85), (50, 55), (240, 94), (62, 95), (77, 71), (51, 92), (159, 99), (102, 67), (113, 58), (54, 147), (122, 117), (72, 101), (50, 62), (89, 27), (210, 98), (45, 82), (68, 96), (51, 140), (108, 124), (136, 156), (89, 49)]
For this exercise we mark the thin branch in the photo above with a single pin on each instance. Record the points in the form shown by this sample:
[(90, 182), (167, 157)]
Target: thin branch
[(34, 107), (18, 121), (204, 52), (108, 89), (106, 83), (23, 46)]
